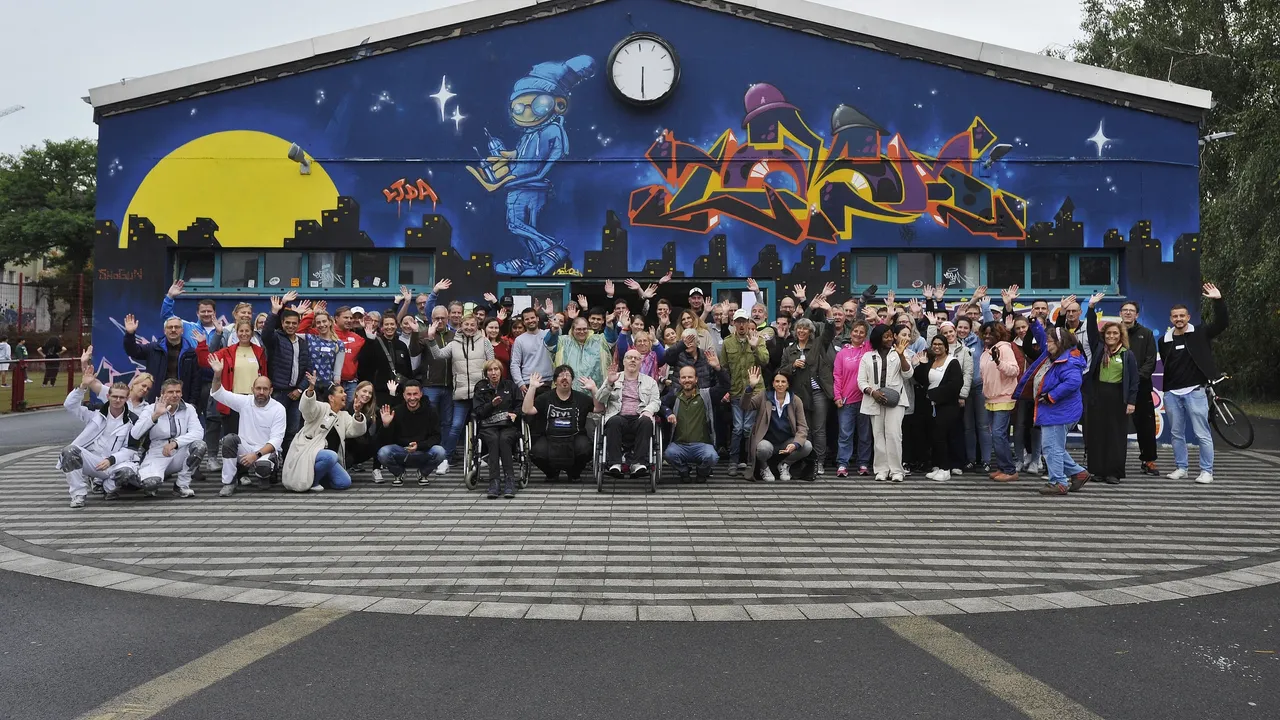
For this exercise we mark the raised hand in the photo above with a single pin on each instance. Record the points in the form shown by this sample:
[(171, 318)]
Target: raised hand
[(215, 364), (870, 314), (444, 284), (889, 298), (198, 336), (1096, 298), (387, 415), (1212, 292), (1068, 300), (290, 296), (503, 312), (913, 307), (311, 380), (588, 384), (631, 284), (752, 285), (829, 289), (491, 298), (613, 374), (582, 303), (712, 360), (980, 293), (392, 386), (405, 294), (753, 338), (649, 292), (798, 291), (320, 307), (624, 318), (535, 380), (86, 357), (572, 311), (754, 375), (548, 306), (665, 278), (277, 304), (1013, 292), (130, 324), (928, 292), (175, 289), (303, 308), (609, 287)]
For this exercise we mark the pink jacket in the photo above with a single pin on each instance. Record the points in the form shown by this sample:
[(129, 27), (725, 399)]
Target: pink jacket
[(999, 380), (846, 372)]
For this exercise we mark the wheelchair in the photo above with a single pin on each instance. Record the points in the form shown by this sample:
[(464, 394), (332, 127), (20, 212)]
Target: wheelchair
[(655, 456), (472, 452)]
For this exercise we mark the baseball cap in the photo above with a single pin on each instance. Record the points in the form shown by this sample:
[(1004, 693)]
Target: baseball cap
[(696, 291), (357, 310), (508, 301), (742, 315)]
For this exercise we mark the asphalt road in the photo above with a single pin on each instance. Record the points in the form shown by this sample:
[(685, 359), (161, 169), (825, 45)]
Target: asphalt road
[(66, 648), (19, 431)]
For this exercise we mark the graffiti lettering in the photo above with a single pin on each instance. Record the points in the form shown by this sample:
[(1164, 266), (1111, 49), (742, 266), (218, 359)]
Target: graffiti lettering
[(402, 190), (120, 274), (789, 181)]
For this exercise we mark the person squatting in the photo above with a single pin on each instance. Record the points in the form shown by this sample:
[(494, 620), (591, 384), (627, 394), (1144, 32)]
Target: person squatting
[(305, 396)]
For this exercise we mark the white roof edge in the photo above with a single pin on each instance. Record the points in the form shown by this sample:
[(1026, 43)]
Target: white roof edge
[(804, 10)]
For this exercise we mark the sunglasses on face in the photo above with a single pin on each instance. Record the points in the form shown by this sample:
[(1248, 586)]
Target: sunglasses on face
[(541, 106)]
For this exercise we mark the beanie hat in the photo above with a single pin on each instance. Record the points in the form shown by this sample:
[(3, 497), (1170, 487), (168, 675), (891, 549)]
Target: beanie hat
[(555, 78)]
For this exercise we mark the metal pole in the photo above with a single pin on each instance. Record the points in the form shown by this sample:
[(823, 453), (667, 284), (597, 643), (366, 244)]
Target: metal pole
[(80, 319), (20, 278)]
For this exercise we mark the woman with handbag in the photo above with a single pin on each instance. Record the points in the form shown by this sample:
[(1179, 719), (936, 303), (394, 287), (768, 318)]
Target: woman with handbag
[(942, 376), (881, 377), (494, 404)]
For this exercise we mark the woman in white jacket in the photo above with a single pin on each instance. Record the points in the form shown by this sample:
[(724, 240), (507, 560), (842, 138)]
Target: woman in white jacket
[(315, 456), (882, 377), (468, 352)]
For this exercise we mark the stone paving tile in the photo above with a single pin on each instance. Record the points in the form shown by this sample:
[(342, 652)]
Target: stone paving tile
[(828, 611), (669, 613), (1220, 582), (352, 603), (400, 606), (103, 579), (720, 613), (140, 584), (1112, 596), (513, 611), (457, 608), (980, 605), (1185, 588), (554, 612), (879, 609), (214, 592), (1153, 593), (257, 596), (609, 612), (930, 607), (1070, 600), (302, 599), (774, 612), (176, 589)]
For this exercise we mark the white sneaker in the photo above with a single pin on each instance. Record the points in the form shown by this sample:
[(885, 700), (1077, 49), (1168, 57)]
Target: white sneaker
[(941, 476), (186, 492), (881, 477), (377, 476), (784, 472), (1179, 474), (956, 471), (895, 478), (77, 502), (1204, 478), (442, 468), (822, 470), (767, 475), (317, 488)]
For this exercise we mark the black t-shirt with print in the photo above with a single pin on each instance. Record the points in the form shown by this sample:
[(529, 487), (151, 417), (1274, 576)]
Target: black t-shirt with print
[(563, 418)]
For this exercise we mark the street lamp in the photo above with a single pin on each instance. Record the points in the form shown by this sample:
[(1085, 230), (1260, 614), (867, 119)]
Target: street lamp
[(1211, 137), (10, 110)]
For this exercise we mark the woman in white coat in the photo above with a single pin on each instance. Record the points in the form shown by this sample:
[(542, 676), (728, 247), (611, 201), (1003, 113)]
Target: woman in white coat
[(468, 351), (882, 377), (315, 457)]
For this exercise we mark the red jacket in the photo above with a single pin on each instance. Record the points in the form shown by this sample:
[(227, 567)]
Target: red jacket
[(502, 353), (228, 357)]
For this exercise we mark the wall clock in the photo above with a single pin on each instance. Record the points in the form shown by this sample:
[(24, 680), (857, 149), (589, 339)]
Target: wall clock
[(644, 69)]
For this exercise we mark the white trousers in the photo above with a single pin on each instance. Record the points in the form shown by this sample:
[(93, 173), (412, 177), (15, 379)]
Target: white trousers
[(232, 447), (86, 467), (156, 467), (886, 434)]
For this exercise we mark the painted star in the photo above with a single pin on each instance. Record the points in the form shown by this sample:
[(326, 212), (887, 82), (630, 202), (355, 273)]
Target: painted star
[(457, 117), (442, 96), (1099, 138)]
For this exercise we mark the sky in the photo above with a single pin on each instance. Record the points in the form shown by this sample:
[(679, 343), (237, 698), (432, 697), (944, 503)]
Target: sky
[(55, 50)]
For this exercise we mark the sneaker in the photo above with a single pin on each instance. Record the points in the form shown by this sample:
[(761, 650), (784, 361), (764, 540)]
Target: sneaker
[(957, 471), (896, 477), (1053, 489), (1005, 477), (185, 492), (784, 472), (227, 491), (864, 471), (96, 487), (245, 480), (842, 472), (943, 475), (397, 481), (1111, 480), (1179, 474), (77, 502), (484, 462), (494, 490), (684, 477), (882, 477), (1079, 480), (441, 469), (737, 469), (639, 470), (147, 493), (615, 470), (1204, 478), (767, 475), (822, 470), (424, 479), (113, 495), (1149, 468), (377, 476), (316, 488)]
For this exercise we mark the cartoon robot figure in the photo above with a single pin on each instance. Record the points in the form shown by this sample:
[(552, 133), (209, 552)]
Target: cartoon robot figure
[(539, 102)]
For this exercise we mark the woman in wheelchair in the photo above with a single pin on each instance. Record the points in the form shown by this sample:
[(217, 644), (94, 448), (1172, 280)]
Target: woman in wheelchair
[(493, 404), (631, 400), (558, 419)]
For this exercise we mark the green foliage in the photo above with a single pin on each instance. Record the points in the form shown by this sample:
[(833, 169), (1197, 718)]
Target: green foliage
[(1232, 48), (47, 197)]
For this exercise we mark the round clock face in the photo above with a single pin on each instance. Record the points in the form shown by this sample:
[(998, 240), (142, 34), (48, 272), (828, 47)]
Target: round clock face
[(644, 69)]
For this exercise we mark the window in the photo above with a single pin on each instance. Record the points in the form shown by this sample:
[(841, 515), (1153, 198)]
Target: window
[(962, 270), (872, 270), (370, 270), (1051, 271), (1095, 271), (326, 270), (415, 270), (239, 269), (916, 270), (196, 267), (283, 270), (1005, 269)]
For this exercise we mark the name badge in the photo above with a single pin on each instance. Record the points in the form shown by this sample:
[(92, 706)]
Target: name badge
[(1179, 347), (562, 422)]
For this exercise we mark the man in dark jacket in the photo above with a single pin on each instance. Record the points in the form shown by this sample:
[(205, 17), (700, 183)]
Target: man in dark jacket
[(1188, 367), (410, 436), (165, 360), (1142, 343), (289, 360)]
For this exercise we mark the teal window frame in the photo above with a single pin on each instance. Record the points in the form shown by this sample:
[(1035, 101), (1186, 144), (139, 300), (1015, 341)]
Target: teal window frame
[(215, 288), (1076, 288)]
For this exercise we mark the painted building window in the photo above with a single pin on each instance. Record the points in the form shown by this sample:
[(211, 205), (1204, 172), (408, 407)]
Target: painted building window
[(239, 269), (1036, 272), (1005, 269), (370, 270), (196, 267), (1095, 271), (284, 270), (1051, 271), (255, 272), (961, 269), (415, 270), (872, 270), (916, 269), (326, 270)]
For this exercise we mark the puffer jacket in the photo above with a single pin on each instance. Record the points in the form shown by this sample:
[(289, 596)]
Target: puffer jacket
[(466, 356), (1058, 399)]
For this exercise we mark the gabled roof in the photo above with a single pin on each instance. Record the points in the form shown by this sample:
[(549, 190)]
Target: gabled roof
[(473, 16)]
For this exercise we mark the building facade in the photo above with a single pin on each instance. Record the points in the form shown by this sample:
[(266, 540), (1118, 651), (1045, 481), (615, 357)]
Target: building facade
[(511, 145)]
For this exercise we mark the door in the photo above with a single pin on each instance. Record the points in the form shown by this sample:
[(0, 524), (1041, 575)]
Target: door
[(527, 293), (738, 292)]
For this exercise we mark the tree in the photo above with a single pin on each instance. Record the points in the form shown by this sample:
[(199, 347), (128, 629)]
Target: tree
[(47, 198), (1232, 48)]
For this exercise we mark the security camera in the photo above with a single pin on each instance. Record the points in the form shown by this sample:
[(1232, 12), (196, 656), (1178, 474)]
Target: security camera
[(298, 155)]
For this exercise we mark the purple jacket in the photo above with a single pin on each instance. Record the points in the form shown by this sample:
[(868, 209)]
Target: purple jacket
[(1058, 399)]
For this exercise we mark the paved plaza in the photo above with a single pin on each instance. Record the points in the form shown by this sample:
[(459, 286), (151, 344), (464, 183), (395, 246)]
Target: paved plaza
[(728, 550)]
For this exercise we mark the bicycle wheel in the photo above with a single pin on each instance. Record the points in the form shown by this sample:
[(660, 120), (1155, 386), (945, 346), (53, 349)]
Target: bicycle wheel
[(1231, 423)]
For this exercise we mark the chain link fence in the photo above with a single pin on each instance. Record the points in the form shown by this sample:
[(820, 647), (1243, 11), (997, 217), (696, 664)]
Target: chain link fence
[(44, 324)]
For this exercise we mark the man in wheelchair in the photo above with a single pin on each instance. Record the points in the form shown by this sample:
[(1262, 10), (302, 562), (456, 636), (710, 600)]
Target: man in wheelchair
[(631, 399), (558, 420)]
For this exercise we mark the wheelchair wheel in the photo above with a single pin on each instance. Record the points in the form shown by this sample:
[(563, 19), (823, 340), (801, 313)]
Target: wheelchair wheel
[(525, 448), (655, 469), (470, 457), (597, 456)]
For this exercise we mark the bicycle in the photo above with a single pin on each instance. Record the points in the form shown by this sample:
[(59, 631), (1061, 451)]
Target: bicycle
[(1230, 422)]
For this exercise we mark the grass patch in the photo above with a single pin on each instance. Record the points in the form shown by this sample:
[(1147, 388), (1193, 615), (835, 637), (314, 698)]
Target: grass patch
[(35, 394), (1261, 408)]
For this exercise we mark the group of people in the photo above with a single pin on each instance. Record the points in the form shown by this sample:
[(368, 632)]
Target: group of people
[(16, 351), (302, 396)]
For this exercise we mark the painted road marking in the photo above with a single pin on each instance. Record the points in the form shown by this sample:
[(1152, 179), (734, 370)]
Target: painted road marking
[(1030, 696), (153, 697)]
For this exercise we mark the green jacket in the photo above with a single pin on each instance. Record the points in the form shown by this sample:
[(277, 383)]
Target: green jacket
[(739, 357)]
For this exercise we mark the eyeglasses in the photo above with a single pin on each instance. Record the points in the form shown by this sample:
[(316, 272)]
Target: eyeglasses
[(541, 106)]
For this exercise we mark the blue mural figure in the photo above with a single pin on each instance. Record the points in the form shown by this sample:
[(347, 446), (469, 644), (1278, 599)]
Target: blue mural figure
[(539, 102)]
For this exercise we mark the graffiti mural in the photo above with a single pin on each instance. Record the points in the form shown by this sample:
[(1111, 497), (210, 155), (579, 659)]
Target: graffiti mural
[(787, 180)]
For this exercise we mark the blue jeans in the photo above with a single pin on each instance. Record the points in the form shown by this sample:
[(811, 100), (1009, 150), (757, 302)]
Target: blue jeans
[(350, 388), (743, 422), (457, 423), (329, 471), (441, 399), (292, 415), (699, 457), (1190, 409), (977, 427), (851, 422), (1001, 450), (396, 459), (1053, 438)]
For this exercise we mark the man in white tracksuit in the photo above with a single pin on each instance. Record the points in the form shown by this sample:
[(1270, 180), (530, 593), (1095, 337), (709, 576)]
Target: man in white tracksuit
[(105, 450), (255, 449), (174, 438)]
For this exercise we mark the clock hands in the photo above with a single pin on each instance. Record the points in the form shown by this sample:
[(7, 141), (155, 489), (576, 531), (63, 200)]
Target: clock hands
[(641, 81)]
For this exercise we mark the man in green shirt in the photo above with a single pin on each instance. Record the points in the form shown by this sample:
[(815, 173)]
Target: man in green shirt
[(743, 350), (691, 424)]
